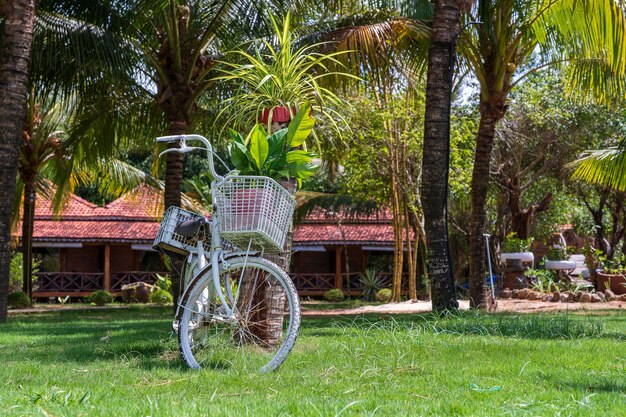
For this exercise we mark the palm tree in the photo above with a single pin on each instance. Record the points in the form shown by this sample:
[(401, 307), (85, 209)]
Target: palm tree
[(19, 17), (436, 151), (519, 37), (173, 48), (45, 161), (69, 55)]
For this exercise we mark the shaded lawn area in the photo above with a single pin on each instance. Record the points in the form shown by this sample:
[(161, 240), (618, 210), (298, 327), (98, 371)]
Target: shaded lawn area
[(125, 363)]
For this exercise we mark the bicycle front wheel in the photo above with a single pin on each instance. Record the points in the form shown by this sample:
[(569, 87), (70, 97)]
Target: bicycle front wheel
[(260, 332)]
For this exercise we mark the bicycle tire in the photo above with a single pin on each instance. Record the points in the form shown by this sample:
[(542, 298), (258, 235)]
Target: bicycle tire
[(265, 325)]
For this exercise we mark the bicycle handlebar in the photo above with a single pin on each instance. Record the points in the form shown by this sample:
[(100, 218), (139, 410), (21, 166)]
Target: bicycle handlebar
[(183, 148)]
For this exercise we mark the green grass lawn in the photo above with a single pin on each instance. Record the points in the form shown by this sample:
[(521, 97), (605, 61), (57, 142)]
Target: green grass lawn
[(125, 363)]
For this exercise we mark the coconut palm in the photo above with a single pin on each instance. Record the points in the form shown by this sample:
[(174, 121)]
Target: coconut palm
[(519, 37), (47, 165), (19, 17), (69, 55), (436, 151)]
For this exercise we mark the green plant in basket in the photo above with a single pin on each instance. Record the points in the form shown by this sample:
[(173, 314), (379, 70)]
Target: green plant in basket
[(557, 252), (617, 265), (513, 244), (278, 155)]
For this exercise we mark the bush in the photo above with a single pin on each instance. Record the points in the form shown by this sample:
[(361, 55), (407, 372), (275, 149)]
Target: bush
[(383, 295), (371, 281), (334, 295), (164, 282), (161, 297), (100, 297), (16, 274), (18, 299)]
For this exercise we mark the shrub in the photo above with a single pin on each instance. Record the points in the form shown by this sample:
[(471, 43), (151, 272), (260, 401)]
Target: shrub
[(371, 281), (164, 282), (513, 244), (161, 297), (100, 297), (18, 299), (383, 295), (334, 295), (16, 274)]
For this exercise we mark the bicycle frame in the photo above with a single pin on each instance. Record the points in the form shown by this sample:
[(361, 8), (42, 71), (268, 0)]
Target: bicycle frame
[(197, 261)]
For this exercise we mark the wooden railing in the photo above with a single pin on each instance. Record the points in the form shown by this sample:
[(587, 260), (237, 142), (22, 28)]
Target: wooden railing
[(80, 284), (67, 283), (318, 284)]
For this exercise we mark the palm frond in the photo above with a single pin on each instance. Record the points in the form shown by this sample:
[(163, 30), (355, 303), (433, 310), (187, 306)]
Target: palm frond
[(345, 204), (590, 37), (606, 167)]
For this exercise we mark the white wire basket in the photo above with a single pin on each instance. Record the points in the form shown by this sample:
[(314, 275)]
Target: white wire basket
[(168, 239), (255, 211)]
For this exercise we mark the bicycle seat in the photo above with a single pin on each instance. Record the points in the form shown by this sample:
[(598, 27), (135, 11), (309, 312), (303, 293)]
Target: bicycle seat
[(190, 228)]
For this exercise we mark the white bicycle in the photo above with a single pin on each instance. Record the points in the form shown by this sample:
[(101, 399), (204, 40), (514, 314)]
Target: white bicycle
[(237, 310)]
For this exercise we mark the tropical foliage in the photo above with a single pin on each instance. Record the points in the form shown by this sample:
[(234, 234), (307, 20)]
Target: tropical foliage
[(279, 155), (281, 75)]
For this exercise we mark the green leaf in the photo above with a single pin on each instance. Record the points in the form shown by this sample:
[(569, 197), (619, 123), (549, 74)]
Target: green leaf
[(301, 169), (259, 146), (300, 127), (299, 156), (277, 143), (238, 157), (235, 136), (278, 164)]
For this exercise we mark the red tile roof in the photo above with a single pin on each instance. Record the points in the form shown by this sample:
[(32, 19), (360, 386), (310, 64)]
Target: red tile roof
[(133, 218), (142, 203), (331, 234), (75, 207), (319, 215), (133, 231)]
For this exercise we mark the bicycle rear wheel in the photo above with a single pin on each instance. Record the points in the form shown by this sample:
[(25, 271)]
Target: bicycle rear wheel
[(258, 335)]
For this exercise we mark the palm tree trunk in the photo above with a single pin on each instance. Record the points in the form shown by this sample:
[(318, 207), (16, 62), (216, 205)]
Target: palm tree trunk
[(28, 220), (173, 182), (480, 183), (19, 17), (436, 152), (174, 167)]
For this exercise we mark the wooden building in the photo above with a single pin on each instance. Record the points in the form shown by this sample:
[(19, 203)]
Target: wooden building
[(88, 247)]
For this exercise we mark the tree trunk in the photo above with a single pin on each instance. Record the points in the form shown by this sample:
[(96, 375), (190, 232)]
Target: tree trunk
[(19, 16), (522, 219), (398, 253), (28, 220), (411, 255), (436, 152), (174, 167), (173, 182), (480, 184)]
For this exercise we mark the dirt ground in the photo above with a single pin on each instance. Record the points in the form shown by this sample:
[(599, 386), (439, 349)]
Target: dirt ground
[(406, 307), (517, 306)]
